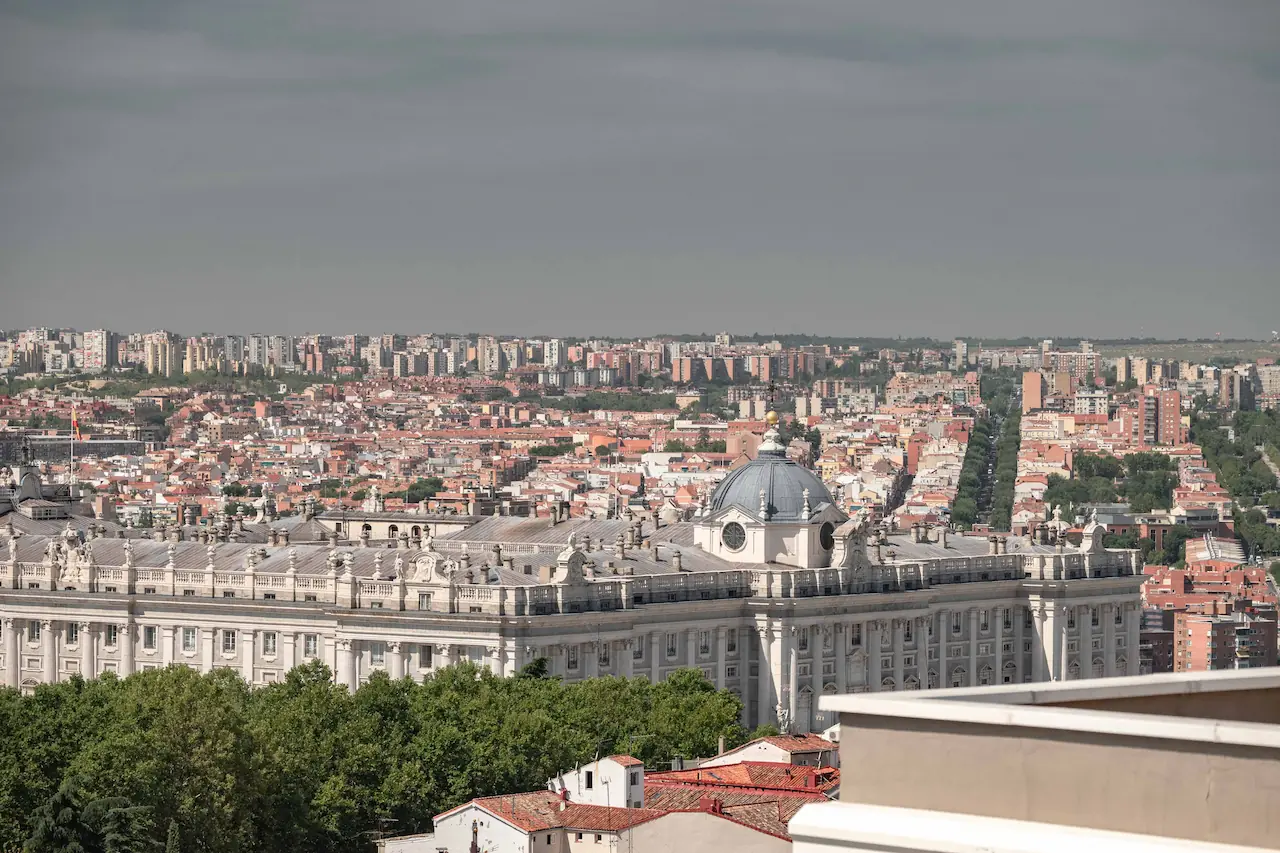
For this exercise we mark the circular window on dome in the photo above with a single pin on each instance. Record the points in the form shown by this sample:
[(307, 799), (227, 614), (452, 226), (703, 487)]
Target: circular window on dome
[(733, 536), (827, 536)]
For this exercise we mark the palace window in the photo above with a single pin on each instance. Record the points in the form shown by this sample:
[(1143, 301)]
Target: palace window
[(731, 640), (571, 658), (730, 672), (908, 632), (377, 654), (603, 657), (424, 601), (802, 639), (637, 651), (1071, 617), (984, 620), (1119, 616), (269, 643), (955, 623), (228, 642), (855, 635), (671, 645), (149, 638), (704, 643), (111, 636), (1008, 619), (188, 639), (33, 631), (310, 645), (73, 634), (1093, 616), (424, 656)]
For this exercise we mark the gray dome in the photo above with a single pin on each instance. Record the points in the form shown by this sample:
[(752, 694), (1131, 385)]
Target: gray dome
[(783, 482)]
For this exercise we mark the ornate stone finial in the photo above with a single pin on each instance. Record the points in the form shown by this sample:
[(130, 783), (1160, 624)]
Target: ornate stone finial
[(210, 551), (347, 560), (764, 506), (805, 513), (293, 560), (171, 552), (332, 560), (377, 565)]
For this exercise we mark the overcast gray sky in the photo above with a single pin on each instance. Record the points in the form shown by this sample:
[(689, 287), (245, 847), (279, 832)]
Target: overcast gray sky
[(1097, 167)]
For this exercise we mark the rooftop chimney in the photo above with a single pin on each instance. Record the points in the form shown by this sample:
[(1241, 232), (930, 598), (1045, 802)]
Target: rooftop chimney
[(676, 562)]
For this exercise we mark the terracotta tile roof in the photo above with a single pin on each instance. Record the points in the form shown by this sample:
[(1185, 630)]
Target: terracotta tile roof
[(801, 743), (534, 811), (626, 760), (767, 775)]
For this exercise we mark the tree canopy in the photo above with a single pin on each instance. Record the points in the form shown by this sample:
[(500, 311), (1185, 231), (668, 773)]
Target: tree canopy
[(204, 763)]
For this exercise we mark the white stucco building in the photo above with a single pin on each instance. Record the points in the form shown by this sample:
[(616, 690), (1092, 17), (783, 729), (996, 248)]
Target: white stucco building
[(769, 590)]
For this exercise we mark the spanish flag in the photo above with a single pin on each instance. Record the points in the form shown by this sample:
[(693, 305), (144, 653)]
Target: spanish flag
[(75, 425)]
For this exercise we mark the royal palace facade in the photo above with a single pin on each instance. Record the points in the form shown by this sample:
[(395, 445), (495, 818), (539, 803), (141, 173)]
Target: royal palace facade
[(769, 590)]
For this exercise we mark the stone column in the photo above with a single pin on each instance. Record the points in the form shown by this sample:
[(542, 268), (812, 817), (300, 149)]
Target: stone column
[(444, 655), (1019, 622), (395, 661), (764, 711), (348, 665), (998, 614), (871, 631), (246, 650), (1085, 656), (815, 684), (1108, 617), (1133, 638), (289, 650), (973, 646), (722, 656), (126, 649), (1064, 629), (944, 632), (86, 650), (507, 658), (791, 654), (628, 656), (208, 648), (655, 657), (841, 640), (899, 630), (691, 653), (166, 645), (1041, 644), (12, 664), (49, 651)]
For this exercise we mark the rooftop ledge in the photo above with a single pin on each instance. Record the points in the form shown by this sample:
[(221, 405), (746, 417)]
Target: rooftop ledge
[(829, 827), (1055, 706)]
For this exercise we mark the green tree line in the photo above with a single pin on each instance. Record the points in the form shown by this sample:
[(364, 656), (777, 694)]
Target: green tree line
[(1007, 446), (206, 763), (973, 472)]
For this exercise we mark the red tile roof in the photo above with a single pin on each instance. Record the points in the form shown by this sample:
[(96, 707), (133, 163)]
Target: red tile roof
[(760, 775), (534, 811), (626, 760)]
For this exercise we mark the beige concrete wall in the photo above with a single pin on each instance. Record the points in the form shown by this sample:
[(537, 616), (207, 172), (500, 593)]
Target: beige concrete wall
[(680, 832), (1198, 791), (1244, 706)]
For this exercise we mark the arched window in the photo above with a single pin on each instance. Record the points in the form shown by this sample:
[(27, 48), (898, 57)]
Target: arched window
[(1010, 672), (416, 532), (911, 682), (984, 675), (933, 679), (392, 531), (1097, 668), (1073, 672), (888, 683), (959, 678), (366, 529)]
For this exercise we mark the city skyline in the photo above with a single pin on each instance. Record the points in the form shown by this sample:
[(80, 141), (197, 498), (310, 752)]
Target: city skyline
[(817, 168)]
